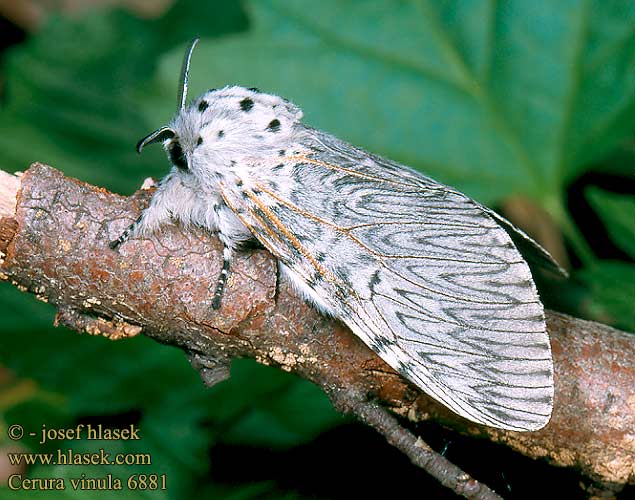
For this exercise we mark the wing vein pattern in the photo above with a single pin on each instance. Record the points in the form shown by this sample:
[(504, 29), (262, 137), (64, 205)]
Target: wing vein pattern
[(425, 276)]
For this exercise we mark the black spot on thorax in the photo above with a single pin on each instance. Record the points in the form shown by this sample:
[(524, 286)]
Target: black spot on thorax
[(274, 125), (246, 104), (202, 106)]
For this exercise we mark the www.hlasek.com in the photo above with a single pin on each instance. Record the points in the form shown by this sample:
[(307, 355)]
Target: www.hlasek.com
[(68, 456)]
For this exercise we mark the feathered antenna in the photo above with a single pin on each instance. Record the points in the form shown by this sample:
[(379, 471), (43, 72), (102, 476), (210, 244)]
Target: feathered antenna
[(185, 73)]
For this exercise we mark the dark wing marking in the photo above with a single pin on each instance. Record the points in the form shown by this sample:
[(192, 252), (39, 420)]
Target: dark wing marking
[(422, 274), (393, 172)]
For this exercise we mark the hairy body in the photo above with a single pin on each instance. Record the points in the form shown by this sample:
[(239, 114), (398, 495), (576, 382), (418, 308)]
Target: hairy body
[(428, 278)]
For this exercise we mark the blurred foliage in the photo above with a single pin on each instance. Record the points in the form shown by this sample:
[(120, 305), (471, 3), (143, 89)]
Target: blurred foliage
[(497, 99), (618, 214)]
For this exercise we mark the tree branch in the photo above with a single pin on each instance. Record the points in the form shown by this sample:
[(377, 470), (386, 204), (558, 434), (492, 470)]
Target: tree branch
[(56, 246)]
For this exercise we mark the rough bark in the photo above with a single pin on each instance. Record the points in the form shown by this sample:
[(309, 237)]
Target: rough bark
[(56, 246)]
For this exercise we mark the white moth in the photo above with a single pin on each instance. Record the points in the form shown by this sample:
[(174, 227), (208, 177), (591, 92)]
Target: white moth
[(429, 279)]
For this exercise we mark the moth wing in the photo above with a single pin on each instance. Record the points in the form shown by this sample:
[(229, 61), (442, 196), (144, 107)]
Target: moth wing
[(421, 273)]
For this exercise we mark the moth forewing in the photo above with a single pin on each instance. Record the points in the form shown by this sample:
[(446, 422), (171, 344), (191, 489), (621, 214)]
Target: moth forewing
[(425, 276), (420, 273)]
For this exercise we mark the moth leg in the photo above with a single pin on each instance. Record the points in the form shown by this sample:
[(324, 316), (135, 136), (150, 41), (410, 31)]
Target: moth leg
[(222, 278), (148, 222), (157, 213), (125, 236)]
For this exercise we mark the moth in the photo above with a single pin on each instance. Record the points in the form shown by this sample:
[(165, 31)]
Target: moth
[(429, 279)]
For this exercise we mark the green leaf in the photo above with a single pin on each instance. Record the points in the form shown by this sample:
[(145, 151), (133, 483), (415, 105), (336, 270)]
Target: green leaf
[(621, 160), (293, 413), (92, 376), (74, 88), (265, 406), (495, 98), (618, 214), (72, 93), (612, 287)]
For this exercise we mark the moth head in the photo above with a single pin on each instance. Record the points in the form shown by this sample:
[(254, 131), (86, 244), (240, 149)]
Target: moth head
[(167, 134), (223, 125)]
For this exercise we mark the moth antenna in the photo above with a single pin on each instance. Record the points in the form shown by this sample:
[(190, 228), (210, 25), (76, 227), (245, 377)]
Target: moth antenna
[(185, 73), (158, 135)]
